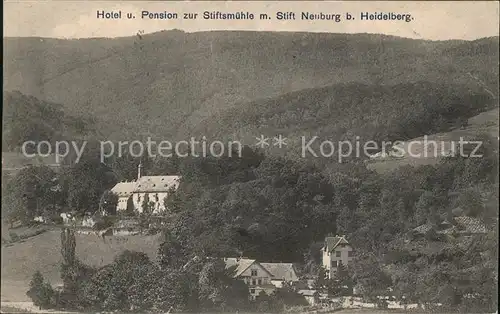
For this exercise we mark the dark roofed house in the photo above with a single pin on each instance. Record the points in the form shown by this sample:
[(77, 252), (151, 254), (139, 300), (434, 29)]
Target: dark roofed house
[(256, 276), (465, 226), (461, 225), (282, 273), (471, 225)]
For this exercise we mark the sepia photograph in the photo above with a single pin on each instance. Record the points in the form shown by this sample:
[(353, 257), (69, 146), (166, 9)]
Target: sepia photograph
[(250, 157)]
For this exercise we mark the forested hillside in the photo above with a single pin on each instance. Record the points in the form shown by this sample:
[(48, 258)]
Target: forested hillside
[(263, 205), (279, 210), (275, 209), (26, 118), (346, 111), (164, 84)]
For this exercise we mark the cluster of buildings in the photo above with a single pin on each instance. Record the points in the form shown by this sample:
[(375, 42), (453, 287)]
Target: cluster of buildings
[(259, 276), (463, 226), (131, 197), (153, 188), (267, 277), (262, 277)]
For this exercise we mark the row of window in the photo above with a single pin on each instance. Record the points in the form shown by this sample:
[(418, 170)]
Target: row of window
[(139, 198), (256, 282), (339, 253), (336, 263), (254, 273), (156, 197)]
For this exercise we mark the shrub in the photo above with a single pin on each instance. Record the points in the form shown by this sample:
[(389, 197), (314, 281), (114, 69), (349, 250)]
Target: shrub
[(382, 304), (40, 292), (104, 223), (14, 237), (57, 220)]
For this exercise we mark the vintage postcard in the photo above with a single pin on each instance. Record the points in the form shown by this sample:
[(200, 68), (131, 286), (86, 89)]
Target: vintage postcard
[(250, 157)]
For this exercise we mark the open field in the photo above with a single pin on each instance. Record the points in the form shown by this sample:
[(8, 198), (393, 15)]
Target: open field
[(24, 307), (42, 252)]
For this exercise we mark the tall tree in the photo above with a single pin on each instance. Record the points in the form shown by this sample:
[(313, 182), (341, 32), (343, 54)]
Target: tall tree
[(85, 183), (369, 276), (29, 193), (147, 206), (108, 202), (130, 211), (68, 266), (219, 290)]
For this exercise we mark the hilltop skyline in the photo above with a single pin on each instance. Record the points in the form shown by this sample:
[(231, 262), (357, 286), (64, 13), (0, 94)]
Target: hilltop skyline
[(457, 20)]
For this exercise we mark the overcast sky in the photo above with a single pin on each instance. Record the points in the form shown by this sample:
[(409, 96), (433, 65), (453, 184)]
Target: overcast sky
[(77, 19)]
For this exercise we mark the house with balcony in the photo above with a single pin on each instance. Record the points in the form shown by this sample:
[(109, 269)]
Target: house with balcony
[(336, 251)]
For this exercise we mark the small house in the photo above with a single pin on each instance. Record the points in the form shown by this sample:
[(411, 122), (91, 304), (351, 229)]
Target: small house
[(336, 251)]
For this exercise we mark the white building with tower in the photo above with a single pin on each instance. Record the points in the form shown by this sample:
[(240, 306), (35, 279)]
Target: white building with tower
[(154, 189)]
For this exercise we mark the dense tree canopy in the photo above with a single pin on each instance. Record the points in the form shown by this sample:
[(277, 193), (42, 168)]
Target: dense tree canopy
[(273, 209), (30, 193)]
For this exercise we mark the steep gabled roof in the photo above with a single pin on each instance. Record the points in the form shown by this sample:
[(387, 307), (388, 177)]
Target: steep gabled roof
[(423, 228), (332, 242), (471, 224), (242, 264), (281, 271), (461, 224), (466, 225)]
